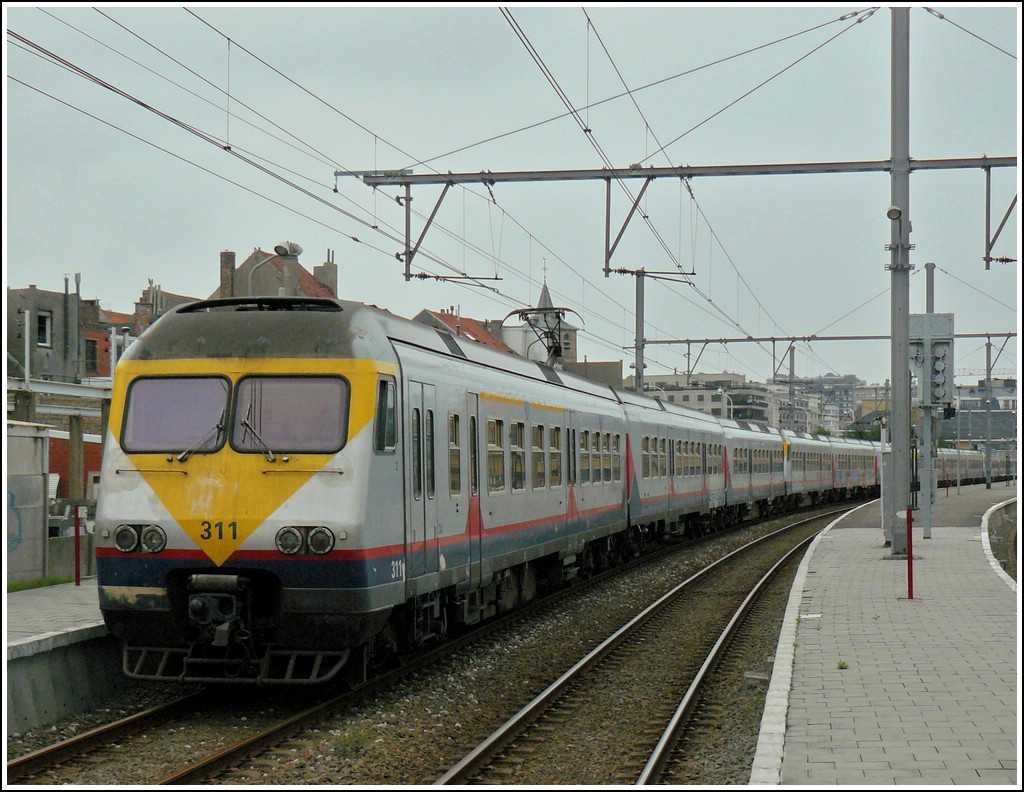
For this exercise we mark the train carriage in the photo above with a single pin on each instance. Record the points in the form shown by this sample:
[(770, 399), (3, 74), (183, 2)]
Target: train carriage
[(298, 487)]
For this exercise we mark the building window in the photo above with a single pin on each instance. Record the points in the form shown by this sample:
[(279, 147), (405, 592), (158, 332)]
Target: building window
[(91, 355), (44, 329)]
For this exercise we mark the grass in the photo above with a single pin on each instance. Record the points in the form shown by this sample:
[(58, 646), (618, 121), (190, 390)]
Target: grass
[(24, 585)]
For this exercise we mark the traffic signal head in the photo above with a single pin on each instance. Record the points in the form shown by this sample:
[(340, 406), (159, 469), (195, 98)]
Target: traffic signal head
[(940, 373)]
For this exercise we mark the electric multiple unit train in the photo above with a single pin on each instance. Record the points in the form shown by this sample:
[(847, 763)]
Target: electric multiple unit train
[(296, 486)]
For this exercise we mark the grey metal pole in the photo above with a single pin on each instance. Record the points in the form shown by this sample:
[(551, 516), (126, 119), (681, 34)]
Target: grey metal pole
[(958, 440), (928, 474), (988, 415), (29, 335), (900, 267), (792, 387), (638, 381), (988, 218)]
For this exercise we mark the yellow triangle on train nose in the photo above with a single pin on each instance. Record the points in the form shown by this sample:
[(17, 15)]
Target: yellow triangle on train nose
[(220, 499)]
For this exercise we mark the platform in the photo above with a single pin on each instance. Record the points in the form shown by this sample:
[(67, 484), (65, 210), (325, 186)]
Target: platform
[(871, 687)]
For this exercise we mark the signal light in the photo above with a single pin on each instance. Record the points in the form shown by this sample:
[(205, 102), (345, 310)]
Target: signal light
[(940, 372)]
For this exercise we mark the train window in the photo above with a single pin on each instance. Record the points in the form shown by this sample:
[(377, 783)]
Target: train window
[(662, 458), (616, 458), (186, 414), (606, 456), (517, 454), (429, 454), (585, 457), (555, 456), (385, 432), (645, 457), (277, 414), (537, 454), (596, 465), (417, 455), (454, 455), (495, 455), (474, 458), (679, 459)]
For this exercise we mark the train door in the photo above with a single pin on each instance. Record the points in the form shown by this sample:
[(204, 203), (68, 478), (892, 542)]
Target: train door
[(474, 521), (421, 531), (570, 486)]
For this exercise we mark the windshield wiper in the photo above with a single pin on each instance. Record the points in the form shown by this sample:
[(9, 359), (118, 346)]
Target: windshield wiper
[(215, 431), (265, 448)]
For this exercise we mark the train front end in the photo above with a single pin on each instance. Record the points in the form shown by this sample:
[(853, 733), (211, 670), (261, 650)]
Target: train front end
[(232, 535)]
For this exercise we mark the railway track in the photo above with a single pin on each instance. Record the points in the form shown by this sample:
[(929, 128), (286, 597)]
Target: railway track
[(231, 760), (38, 762), (616, 701)]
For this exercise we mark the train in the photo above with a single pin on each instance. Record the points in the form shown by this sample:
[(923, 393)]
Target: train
[(296, 489)]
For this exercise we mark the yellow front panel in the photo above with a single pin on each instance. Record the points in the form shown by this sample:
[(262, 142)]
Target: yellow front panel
[(225, 496)]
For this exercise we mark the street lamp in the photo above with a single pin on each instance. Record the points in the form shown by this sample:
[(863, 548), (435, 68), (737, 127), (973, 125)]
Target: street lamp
[(651, 388), (282, 249), (723, 393)]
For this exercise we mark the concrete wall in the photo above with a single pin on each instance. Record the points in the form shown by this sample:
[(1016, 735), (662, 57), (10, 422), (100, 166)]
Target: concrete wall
[(27, 507), (71, 674), (60, 561), (1002, 530)]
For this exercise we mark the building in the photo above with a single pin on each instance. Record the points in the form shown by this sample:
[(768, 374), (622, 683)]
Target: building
[(1004, 395), (275, 274), (543, 336), (42, 330), (461, 327)]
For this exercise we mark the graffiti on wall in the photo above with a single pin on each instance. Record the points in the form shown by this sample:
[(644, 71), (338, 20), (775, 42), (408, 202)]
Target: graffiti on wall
[(15, 530)]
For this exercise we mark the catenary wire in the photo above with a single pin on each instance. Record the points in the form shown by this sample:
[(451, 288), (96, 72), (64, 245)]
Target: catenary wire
[(347, 117), (686, 73), (661, 149), (943, 17)]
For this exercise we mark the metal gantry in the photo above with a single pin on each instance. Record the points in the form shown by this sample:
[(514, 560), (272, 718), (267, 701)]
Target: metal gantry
[(899, 166)]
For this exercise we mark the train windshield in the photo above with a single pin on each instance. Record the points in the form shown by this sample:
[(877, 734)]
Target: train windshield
[(183, 414), (276, 414)]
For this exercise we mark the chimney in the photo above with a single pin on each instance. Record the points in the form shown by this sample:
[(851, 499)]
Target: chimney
[(327, 273), (227, 273)]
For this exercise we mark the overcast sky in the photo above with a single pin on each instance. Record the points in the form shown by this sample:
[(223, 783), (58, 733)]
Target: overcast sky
[(137, 185)]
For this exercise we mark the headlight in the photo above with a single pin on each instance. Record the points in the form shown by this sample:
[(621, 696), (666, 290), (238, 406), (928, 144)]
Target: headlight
[(126, 538), (321, 540), (289, 540), (153, 539)]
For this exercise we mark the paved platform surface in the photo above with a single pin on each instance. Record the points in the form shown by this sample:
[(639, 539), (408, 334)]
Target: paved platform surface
[(873, 688), (52, 613)]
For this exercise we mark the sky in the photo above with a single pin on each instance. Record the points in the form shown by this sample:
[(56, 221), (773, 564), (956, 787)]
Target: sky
[(230, 126)]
